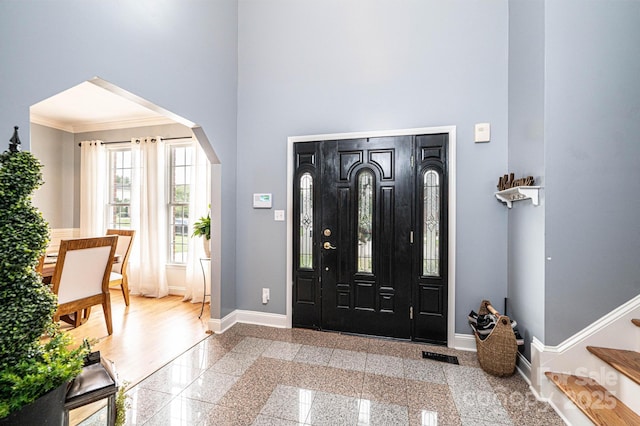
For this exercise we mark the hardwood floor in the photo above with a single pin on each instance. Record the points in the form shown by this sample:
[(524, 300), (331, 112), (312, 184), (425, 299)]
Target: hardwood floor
[(147, 334)]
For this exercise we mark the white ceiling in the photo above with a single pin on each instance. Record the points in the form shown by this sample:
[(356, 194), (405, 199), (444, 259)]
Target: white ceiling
[(88, 107)]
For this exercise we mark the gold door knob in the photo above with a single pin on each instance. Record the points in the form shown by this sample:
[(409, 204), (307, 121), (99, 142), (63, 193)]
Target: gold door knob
[(327, 246)]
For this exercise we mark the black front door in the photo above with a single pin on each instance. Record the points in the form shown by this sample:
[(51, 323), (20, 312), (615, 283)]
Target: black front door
[(364, 260), (365, 236)]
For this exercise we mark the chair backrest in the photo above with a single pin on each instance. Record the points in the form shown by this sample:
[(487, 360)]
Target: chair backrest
[(83, 268), (40, 265), (123, 248)]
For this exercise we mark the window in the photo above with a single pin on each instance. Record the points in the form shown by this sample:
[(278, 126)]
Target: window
[(119, 204), (306, 221), (365, 221), (431, 224), (180, 163)]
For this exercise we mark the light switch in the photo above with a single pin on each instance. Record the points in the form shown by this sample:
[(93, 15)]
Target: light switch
[(278, 215), (483, 132)]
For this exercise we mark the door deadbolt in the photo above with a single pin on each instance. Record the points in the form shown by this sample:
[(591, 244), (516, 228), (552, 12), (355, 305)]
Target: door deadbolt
[(327, 246), (327, 232)]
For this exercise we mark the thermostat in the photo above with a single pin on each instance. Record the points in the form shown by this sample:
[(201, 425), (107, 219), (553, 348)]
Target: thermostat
[(261, 201)]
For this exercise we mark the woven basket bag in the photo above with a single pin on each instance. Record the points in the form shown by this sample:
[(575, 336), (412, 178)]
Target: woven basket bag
[(497, 352)]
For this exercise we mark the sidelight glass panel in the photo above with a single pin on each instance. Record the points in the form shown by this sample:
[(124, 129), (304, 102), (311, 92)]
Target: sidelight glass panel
[(306, 221), (365, 221), (431, 224)]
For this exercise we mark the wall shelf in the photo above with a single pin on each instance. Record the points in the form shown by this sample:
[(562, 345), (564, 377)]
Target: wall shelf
[(518, 193)]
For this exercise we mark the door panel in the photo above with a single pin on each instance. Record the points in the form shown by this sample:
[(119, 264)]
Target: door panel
[(378, 248), (366, 279), (430, 292), (306, 263)]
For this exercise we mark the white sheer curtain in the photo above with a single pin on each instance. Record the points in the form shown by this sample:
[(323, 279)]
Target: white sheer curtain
[(198, 207), (148, 257), (93, 180)]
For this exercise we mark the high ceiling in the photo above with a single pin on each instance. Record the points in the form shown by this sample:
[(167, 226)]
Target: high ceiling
[(89, 107)]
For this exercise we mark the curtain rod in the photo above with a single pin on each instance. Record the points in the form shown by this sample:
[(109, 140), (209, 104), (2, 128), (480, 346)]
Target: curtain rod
[(129, 141)]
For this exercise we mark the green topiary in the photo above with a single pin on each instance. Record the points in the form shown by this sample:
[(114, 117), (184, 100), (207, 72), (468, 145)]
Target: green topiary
[(30, 366)]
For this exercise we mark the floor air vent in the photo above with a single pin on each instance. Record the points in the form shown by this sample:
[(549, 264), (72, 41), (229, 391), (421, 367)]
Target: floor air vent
[(440, 357)]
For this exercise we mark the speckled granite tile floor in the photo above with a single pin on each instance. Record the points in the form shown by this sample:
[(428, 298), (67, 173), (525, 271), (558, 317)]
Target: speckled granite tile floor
[(254, 375)]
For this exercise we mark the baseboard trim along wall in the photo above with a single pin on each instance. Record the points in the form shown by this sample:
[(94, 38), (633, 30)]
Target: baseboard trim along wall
[(524, 368), (247, 317), (464, 342)]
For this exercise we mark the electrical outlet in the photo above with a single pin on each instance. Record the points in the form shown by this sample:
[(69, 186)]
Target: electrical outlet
[(265, 296)]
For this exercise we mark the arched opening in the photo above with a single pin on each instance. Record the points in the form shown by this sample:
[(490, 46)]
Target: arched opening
[(99, 110)]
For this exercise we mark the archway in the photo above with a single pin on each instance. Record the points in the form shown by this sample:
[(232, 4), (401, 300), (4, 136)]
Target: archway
[(99, 104)]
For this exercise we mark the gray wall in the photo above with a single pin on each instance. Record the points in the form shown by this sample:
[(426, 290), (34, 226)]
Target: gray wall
[(592, 157), (180, 55), (284, 67), (56, 199), (574, 123), (526, 158), (333, 66)]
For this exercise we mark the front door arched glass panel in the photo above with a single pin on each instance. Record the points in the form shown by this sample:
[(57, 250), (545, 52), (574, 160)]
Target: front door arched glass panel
[(365, 221), (431, 224), (306, 221)]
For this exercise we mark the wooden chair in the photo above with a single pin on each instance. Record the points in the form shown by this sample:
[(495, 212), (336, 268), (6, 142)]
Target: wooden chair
[(81, 277), (119, 270), (40, 265)]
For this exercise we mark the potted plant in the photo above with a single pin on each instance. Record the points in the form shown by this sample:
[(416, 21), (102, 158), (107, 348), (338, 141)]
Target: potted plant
[(36, 361), (202, 228)]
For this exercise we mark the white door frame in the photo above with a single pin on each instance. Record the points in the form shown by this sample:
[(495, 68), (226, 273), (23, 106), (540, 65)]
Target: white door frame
[(451, 169)]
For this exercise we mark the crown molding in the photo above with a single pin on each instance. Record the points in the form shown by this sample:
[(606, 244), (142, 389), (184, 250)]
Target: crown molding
[(48, 122), (100, 126), (122, 124)]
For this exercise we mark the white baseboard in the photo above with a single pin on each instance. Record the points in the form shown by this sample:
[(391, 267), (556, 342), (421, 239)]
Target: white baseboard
[(464, 342), (524, 367), (247, 317), (215, 325), (221, 325), (176, 291), (261, 318)]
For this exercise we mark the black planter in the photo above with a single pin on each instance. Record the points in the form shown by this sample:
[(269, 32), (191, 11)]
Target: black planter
[(46, 410)]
